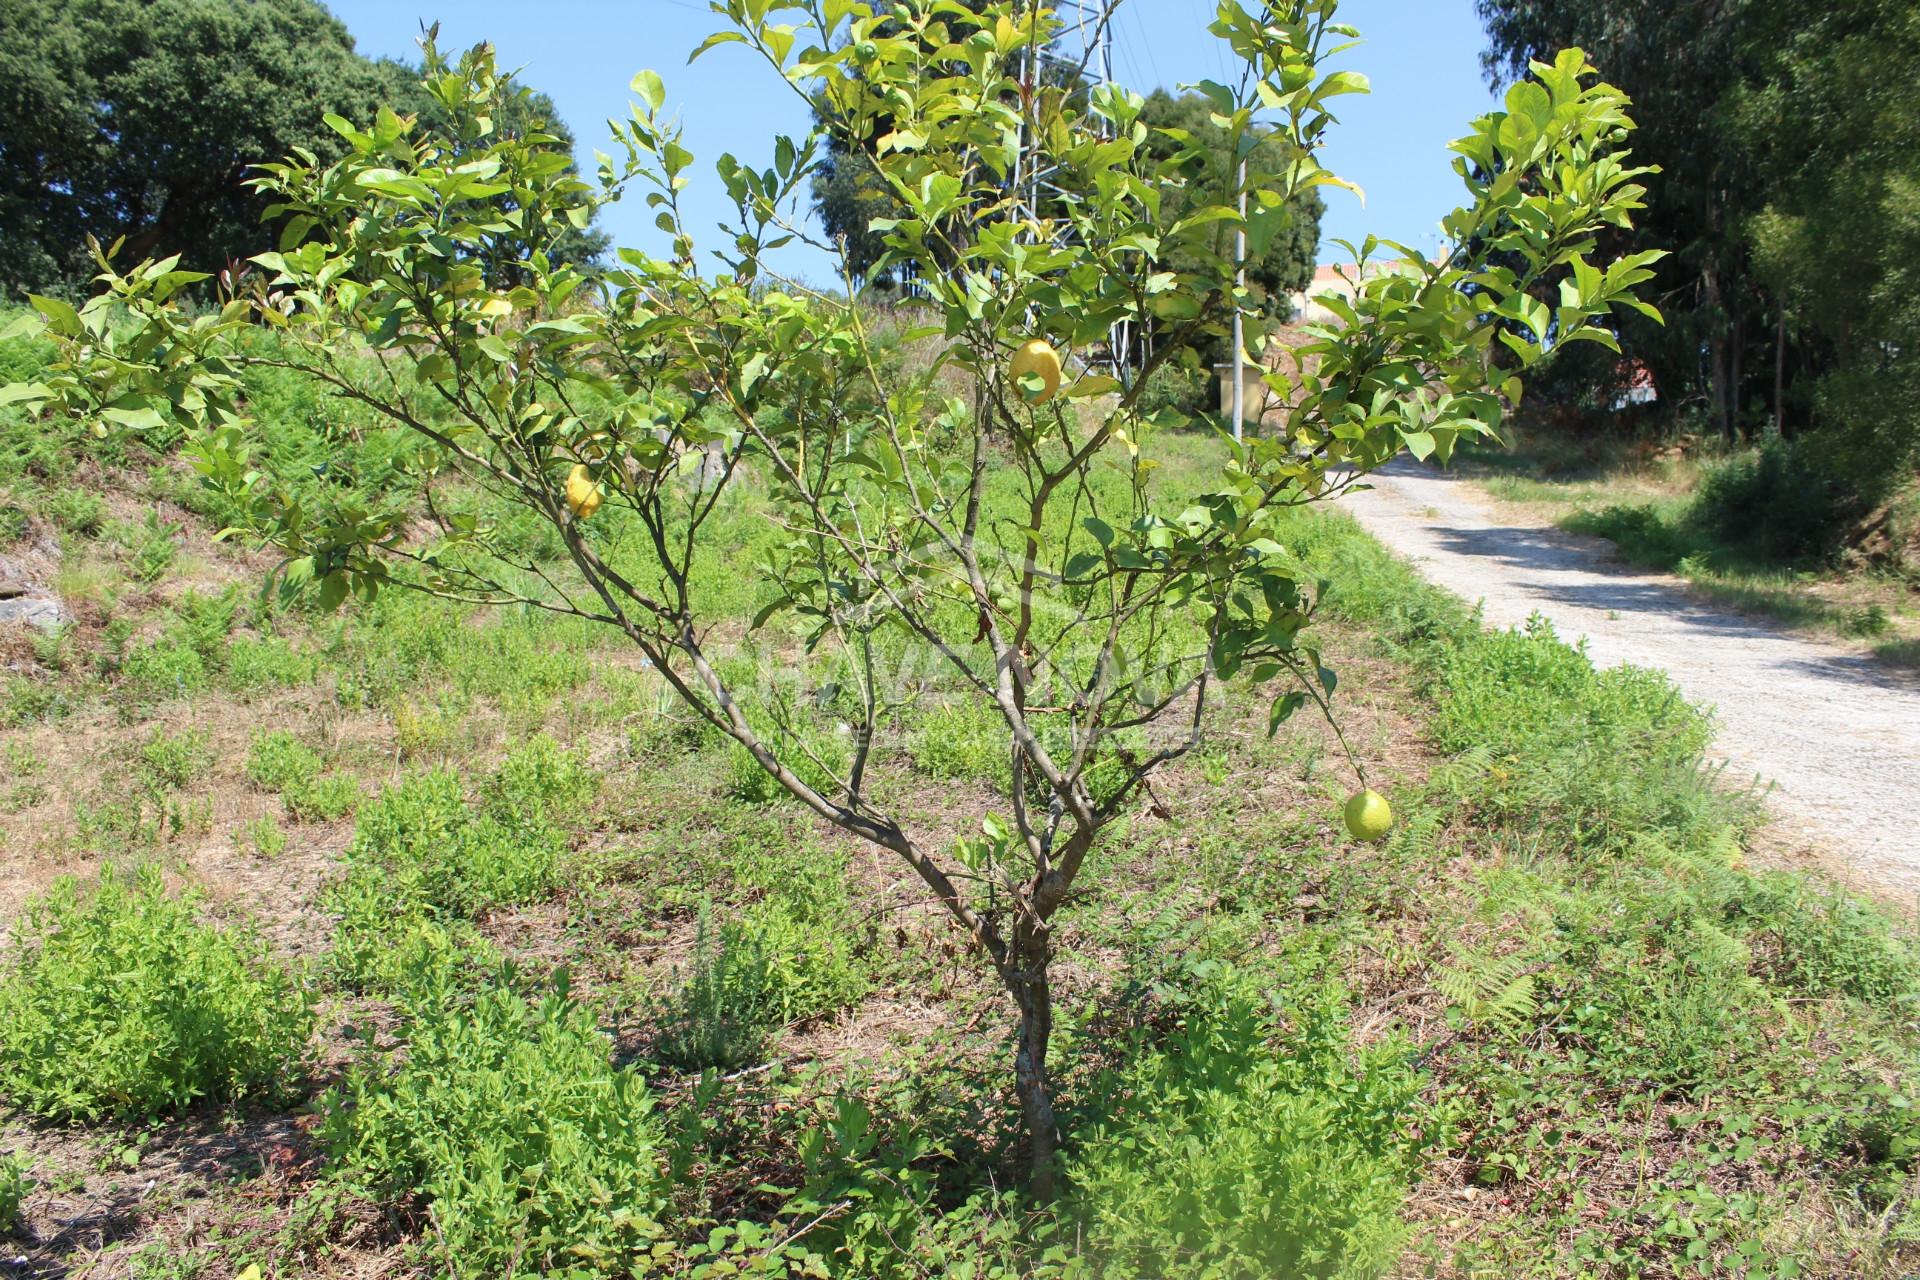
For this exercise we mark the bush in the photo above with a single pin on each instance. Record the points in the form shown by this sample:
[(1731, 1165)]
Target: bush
[(77, 511), (121, 1003), (507, 1118), (1599, 755), (277, 761), (962, 740), (422, 856), (1243, 1150), (280, 763), (172, 761), (1776, 501), (792, 955), (1174, 389), (817, 756), (717, 1018), (165, 670)]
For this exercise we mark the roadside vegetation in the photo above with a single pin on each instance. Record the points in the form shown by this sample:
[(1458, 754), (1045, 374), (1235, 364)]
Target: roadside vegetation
[(1749, 526), (546, 986)]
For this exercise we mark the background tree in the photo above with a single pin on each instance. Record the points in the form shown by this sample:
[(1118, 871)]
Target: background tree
[(1676, 61), (1287, 263), (1785, 131), (139, 118), (1831, 114), (1024, 541)]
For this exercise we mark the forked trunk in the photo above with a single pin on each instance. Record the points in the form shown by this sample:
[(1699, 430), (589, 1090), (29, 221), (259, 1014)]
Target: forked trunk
[(1026, 977)]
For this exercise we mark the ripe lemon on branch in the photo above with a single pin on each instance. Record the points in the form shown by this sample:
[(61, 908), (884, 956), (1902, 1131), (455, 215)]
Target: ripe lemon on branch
[(584, 495), (1036, 356)]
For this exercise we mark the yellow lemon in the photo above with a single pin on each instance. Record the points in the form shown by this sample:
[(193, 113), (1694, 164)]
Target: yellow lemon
[(583, 495), (1368, 815), (1036, 356)]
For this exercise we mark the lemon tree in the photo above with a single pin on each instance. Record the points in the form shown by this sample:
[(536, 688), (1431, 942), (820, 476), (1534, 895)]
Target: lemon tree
[(1015, 529)]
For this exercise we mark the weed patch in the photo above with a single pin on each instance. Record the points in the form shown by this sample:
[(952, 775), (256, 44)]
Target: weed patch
[(506, 1122), (120, 1003)]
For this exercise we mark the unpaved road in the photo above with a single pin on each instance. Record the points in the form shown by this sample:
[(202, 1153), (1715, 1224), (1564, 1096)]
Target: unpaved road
[(1835, 733)]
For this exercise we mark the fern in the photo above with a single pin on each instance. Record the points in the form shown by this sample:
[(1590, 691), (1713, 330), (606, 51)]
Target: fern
[(1496, 992)]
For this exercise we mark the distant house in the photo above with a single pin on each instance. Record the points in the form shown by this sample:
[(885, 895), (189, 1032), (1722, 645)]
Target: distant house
[(1341, 280), (1262, 405), (1633, 384)]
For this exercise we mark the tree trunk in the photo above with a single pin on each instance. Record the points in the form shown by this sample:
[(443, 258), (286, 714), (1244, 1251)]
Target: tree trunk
[(1717, 355), (1736, 382), (1026, 977), (1780, 373)]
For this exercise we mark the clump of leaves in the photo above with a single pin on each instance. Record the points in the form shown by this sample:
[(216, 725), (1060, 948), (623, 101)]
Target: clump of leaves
[(120, 1002), (506, 1118), (1249, 1145)]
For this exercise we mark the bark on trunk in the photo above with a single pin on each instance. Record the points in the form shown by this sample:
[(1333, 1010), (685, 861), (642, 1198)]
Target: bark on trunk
[(1736, 382), (1717, 357), (1027, 980), (1780, 373)]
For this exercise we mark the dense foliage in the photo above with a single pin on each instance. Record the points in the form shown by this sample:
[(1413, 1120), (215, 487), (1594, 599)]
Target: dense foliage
[(140, 118), (122, 1003), (1790, 196)]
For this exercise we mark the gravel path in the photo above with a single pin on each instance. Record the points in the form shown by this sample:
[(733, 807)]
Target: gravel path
[(1835, 733)]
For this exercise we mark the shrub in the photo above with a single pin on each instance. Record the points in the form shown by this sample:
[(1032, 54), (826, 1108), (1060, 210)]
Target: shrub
[(1173, 389), (1244, 1150), (121, 1003), (173, 760), (961, 741), (423, 855), (327, 798), (77, 511), (13, 1189), (818, 756), (280, 763), (788, 957), (717, 1018), (1644, 534), (1829, 943), (507, 1118), (1599, 754), (1776, 501)]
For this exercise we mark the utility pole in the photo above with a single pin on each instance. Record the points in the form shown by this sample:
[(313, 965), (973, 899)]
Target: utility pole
[(1240, 287)]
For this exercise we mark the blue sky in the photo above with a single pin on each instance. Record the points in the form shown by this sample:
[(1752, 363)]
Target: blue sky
[(1422, 56)]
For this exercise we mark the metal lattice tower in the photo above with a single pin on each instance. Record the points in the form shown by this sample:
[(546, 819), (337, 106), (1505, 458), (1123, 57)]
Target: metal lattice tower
[(1081, 50)]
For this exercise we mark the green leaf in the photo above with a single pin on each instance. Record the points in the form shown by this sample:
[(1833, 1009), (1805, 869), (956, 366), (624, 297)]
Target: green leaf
[(333, 590), (61, 317), (136, 419), (1283, 709), (652, 89), (716, 39), (14, 392)]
